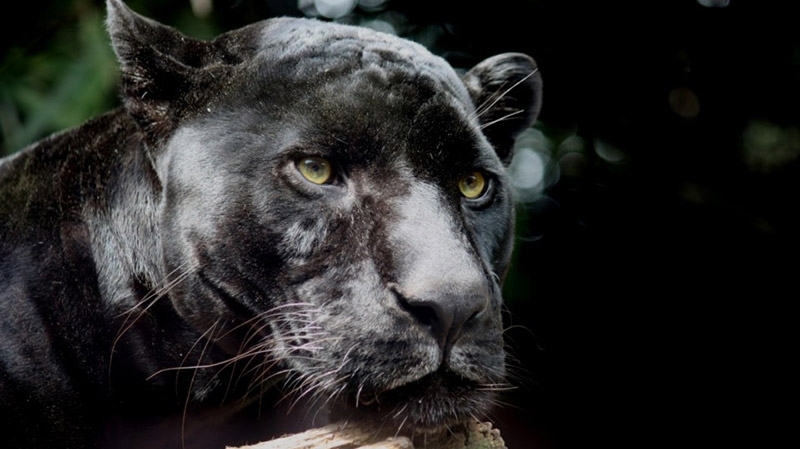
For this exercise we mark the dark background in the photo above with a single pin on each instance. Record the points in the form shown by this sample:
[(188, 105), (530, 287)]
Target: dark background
[(650, 301)]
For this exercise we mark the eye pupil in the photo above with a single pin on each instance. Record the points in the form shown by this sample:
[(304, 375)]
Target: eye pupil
[(472, 185), (315, 169)]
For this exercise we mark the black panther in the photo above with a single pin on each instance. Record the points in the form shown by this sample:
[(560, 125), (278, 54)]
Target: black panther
[(294, 223)]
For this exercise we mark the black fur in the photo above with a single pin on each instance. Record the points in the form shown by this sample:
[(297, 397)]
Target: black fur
[(168, 277)]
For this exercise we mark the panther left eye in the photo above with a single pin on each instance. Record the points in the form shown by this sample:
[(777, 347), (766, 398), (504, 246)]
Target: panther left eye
[(315, 169), (472, 185)]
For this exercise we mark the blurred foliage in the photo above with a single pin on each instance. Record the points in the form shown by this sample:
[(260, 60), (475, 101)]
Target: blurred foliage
[(45, 91), (63, 72)]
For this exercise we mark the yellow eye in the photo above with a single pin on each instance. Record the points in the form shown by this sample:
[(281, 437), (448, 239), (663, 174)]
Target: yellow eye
[(315, 169), (472, 185)]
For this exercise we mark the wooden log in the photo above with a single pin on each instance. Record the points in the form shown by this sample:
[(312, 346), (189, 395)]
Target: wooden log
[(476, 435)]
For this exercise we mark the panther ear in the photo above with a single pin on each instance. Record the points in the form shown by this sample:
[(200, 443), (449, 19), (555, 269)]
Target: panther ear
[(165, 74), (507, 92)]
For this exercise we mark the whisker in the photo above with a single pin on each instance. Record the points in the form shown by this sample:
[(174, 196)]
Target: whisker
[(316, 381), (150, 299), (496, 387), (400, 427), (358, 393), (268, 378), (188, 354), (191, 381), (483, 109), (159, 290), (503, 118)]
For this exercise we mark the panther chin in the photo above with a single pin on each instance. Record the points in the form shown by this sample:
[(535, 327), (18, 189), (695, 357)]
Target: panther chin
[(439, 403)]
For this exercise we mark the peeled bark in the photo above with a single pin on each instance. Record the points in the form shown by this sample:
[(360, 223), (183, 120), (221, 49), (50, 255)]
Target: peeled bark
[(477, 435)]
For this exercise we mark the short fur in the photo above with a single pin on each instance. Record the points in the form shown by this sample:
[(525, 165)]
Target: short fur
[(168, 277)]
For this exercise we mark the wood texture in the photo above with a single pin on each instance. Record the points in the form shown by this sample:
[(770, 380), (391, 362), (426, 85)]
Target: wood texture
[(356, 436)]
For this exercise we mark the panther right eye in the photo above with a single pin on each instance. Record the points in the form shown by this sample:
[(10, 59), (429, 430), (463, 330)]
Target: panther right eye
[(472, 185), (315, 169)]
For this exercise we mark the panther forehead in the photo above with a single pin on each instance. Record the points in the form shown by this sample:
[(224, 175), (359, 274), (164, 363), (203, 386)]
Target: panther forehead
[(312, 47)]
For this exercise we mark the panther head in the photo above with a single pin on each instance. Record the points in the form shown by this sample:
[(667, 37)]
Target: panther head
[(335, 206)]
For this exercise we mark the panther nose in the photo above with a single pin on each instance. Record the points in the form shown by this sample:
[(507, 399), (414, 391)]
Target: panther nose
[(443, 311)]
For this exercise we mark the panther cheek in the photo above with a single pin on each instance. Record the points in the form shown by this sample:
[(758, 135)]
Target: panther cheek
[(481, 359), (301, 238)]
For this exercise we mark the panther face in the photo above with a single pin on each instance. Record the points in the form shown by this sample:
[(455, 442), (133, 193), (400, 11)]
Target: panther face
[(335, 208)]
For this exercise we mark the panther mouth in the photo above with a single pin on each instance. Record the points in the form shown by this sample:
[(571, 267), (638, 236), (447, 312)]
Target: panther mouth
[(440, 401)]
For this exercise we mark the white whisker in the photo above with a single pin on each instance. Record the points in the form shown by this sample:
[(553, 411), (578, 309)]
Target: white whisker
[(503, 118), (484, 108)]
